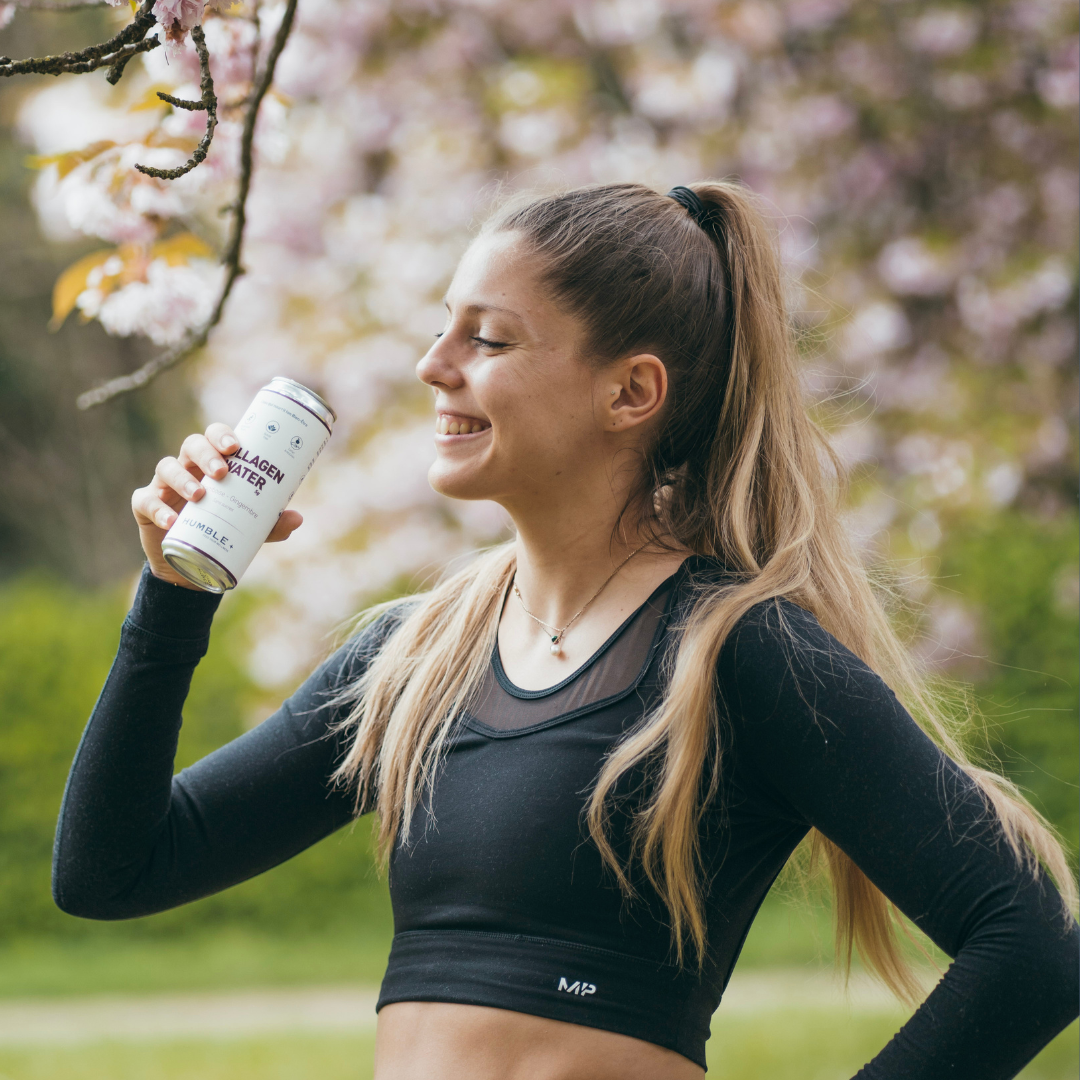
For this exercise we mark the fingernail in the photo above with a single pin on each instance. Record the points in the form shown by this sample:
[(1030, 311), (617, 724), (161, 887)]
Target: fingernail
[(165, 519), (228, 444), (219, 464), (191, 489)]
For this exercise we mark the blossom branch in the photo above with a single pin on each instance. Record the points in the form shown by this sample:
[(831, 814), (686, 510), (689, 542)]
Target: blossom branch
[(207, 102), (231, 259), (113, 54), (56, 5)]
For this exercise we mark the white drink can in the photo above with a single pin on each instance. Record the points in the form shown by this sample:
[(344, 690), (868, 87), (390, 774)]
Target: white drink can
[(213, 541)]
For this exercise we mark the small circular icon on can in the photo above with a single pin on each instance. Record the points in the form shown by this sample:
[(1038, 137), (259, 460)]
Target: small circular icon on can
[(273, 426), (296, 442)]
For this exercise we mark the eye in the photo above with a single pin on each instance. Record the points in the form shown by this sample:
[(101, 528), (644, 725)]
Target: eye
[(485, 344)]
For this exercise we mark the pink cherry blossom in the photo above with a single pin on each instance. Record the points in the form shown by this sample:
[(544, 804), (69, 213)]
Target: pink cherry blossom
[(923, 190), (179, 16)]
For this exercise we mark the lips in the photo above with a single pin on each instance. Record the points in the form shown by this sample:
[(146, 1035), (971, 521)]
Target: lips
[(454, 424)]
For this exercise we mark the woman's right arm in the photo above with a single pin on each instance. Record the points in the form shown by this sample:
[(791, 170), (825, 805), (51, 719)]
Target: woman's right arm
[(132, 839)]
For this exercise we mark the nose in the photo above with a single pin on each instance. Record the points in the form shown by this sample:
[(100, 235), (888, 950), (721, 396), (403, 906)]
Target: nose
[(437, 367)]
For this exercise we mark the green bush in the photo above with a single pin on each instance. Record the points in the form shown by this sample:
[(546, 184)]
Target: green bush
[(1018, 573)]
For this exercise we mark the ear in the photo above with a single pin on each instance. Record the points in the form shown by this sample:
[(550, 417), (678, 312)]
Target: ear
[(632, 391)]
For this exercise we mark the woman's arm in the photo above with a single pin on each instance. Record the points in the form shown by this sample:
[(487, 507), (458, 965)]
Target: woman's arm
[(835, 749), (132, 839)]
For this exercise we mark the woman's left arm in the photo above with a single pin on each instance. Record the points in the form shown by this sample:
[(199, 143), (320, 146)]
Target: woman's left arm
[(835, 748)]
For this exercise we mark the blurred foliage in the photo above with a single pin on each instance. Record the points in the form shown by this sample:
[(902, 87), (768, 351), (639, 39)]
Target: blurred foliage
[(922, 163), (65, 493), (918, 159), (1019, 573)]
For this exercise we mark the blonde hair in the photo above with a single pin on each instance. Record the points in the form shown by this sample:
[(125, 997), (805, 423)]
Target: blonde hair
[(740, 472)]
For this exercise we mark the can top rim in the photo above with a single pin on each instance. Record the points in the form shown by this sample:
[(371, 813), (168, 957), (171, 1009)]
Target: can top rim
[(306, 396)]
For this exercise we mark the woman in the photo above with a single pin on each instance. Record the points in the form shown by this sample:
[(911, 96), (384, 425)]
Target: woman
[(593, 749)]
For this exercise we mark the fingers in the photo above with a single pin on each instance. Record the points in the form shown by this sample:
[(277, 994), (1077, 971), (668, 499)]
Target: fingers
[(176, 479), (285, 526), (150, 508), (172, 476), (223, 437), (204, 455)]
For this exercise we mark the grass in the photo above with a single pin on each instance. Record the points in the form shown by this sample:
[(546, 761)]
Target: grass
[(817, 1045), (223, 960), (802, 1045), (112, 959), (298, 1057)]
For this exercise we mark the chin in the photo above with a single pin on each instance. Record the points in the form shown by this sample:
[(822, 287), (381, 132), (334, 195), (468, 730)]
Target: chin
[(457, 481)]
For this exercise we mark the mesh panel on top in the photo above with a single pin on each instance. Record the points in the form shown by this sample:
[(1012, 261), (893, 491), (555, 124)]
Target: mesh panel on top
[(610, 670)]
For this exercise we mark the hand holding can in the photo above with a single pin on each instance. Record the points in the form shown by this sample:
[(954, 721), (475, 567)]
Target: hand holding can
[(216, 527)]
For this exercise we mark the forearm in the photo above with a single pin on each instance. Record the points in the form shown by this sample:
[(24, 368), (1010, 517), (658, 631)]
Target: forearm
[(119, 789), (1011, 989), (133, 839)]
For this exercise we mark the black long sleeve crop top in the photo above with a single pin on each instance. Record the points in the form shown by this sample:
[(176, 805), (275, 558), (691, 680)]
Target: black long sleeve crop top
[(506, 902)]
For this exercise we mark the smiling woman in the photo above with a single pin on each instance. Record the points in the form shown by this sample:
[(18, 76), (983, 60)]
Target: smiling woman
[(580, 836)]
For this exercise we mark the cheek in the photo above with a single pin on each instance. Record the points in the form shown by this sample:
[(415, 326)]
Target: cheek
[(552, 412)]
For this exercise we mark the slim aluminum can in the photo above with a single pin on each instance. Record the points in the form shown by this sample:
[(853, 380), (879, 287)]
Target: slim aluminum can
[(213, 541)]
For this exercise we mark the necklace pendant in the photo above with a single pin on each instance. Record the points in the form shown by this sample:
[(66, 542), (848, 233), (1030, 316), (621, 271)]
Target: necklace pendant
[(556, 647)]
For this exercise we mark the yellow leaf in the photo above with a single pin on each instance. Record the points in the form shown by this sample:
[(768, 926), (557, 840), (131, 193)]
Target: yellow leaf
[(71, 283), (159, 138), (70, 159), (150, 99), (180, 248)]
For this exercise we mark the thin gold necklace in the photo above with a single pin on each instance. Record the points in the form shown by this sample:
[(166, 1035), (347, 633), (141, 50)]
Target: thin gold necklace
[(556, 633)]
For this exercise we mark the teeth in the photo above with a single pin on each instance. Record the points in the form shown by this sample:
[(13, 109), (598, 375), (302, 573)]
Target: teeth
[(445, 426)]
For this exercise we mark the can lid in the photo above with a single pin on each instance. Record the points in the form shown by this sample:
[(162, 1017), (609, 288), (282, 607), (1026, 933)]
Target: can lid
[(304, 396), (198, 567)]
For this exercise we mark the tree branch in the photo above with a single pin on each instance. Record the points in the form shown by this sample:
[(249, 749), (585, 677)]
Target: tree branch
[(208, 101), (55, 5), (113, 54), (125, 384)]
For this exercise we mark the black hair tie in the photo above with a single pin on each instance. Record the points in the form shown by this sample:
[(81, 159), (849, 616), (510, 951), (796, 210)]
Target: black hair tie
[(704, 215)]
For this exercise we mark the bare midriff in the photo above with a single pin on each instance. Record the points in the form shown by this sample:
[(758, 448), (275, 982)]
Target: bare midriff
[(423, 1040)]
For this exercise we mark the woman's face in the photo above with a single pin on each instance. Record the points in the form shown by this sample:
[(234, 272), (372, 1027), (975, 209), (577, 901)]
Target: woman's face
[(520, 414)]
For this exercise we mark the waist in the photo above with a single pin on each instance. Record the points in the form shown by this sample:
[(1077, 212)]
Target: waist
[(556, 979)]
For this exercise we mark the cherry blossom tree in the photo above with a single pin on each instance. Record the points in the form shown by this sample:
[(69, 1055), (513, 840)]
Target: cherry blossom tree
[(919, 159)]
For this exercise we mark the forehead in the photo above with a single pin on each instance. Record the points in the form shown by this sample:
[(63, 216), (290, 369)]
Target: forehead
[(498, 276), (495, 273)]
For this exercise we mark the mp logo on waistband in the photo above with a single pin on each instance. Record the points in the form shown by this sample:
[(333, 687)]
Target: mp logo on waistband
[(577, 987)]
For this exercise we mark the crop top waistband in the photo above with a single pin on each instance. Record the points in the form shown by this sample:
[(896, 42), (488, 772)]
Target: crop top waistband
[(561, 980)]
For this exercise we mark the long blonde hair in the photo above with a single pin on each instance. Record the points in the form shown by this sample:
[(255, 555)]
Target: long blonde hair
[(740, 472)]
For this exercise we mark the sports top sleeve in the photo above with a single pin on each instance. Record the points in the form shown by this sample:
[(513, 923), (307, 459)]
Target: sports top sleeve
[(833, 748), (133, 839)]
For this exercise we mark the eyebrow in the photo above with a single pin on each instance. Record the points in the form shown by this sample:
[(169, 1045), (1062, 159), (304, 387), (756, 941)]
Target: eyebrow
[(477, 309)]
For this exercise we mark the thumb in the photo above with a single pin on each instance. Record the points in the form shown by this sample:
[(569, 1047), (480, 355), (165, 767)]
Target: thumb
[(285, 526)]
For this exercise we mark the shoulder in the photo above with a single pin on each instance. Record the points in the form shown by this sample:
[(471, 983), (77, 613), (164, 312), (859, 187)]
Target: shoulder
[(377, 628), (778, 657), (778, 629), (773, 628), (349, 661), (779, 664)]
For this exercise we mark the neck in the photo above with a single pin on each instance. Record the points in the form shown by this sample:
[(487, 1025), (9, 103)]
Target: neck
[(565, 554)]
